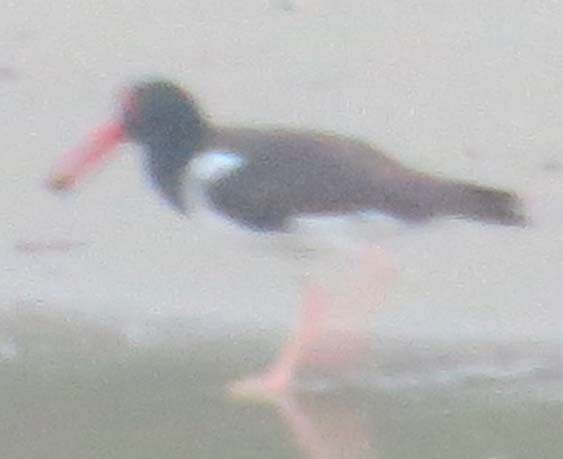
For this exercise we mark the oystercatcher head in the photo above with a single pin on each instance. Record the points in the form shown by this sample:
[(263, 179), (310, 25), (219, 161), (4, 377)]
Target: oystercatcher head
[(163, 117)]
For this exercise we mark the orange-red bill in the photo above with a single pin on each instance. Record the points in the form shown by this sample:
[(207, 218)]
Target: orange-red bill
[(86, 157)]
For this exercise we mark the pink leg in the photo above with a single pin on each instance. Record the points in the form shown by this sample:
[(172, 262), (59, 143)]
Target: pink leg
[(277, 377), (330, 333)]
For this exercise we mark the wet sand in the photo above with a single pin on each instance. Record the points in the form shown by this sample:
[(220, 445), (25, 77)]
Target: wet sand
[(466, 90)]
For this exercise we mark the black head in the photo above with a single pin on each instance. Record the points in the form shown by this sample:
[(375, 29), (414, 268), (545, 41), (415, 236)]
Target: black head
[(162, 116)]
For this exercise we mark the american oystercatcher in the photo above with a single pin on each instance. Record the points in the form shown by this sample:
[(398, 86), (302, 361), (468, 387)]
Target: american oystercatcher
[(266, 182)]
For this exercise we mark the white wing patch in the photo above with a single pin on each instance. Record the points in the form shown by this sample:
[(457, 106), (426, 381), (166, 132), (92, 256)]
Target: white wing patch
[(212, 165)]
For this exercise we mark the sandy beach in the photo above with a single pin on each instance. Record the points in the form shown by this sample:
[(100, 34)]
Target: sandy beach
[(465, 89)]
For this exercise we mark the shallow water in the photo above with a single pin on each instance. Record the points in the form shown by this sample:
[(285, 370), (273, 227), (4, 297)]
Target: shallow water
[(79, 391), (121, 323)]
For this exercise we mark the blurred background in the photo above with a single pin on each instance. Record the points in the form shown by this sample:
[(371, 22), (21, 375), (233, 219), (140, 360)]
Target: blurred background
[(120, 323)]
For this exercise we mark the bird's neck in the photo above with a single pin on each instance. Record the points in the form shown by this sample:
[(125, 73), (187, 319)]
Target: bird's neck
[(167, 163), (167, 169)]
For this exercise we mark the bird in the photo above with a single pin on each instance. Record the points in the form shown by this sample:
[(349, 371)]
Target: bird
[(266, 181)]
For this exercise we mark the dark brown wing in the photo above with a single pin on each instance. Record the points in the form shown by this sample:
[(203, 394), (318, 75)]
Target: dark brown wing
[(290, 173)]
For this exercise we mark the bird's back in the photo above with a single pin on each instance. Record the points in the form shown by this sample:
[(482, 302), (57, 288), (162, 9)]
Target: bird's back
[(294, 173)]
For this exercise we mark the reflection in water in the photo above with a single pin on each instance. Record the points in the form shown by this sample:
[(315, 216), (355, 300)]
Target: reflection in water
[(328, 426), (332, 338)]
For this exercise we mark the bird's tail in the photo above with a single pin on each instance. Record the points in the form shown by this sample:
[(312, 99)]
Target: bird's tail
[(485, 204)]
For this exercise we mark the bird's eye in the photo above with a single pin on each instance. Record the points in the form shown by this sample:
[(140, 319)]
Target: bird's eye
[(130, 106), (128, 101)]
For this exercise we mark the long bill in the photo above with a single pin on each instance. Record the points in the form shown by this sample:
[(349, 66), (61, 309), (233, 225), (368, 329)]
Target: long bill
[(85, 158)]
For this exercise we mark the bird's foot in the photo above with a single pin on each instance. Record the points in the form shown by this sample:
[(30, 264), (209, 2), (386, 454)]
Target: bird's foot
[(266, 387)]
